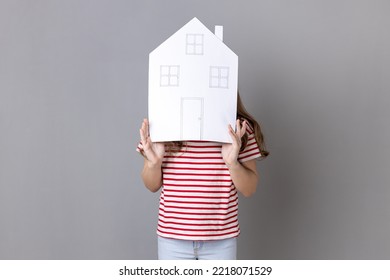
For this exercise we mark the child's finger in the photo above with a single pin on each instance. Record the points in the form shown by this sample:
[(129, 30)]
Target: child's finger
[(141, 135), (243, 129), (233, 135), (143, 132), (146, 126), (238, 125)]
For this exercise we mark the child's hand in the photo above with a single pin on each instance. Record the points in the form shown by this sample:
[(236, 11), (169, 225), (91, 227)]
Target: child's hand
[(154, 152), (230, 151)]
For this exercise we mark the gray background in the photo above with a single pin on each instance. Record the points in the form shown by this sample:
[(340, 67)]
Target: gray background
[(73, 92)]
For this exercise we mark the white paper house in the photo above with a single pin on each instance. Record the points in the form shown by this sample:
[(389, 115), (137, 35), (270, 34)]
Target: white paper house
[(192, 86)]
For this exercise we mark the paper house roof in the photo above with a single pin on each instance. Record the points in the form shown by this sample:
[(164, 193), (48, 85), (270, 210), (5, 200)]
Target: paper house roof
[(192, 86)]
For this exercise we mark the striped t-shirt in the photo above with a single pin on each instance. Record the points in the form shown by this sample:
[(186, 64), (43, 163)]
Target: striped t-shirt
[(198, 199)]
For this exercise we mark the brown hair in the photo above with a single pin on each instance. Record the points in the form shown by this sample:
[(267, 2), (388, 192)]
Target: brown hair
[(242, 114), (174, 146)]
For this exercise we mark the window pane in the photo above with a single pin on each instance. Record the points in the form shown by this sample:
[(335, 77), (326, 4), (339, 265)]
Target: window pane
[(190, 39), (199, 49), (174, 81), (214, 72), (223, 83), (164, 70), (199, 39), (214, 82), (164, 81), (190, 49), (224, 72), (174, 70)]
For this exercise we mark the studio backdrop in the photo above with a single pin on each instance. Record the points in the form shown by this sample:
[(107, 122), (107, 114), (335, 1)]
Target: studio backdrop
[(73, 94)]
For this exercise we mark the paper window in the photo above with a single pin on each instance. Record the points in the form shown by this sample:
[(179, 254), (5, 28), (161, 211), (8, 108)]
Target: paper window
[(194, 44), (219, 77), (169, 75)]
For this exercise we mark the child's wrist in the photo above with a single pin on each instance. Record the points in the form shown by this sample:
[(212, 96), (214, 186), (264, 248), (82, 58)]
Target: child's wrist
[(233, 165), (154, 164)]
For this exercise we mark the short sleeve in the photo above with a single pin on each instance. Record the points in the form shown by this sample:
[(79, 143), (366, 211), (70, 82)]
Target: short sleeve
[(252, 150)]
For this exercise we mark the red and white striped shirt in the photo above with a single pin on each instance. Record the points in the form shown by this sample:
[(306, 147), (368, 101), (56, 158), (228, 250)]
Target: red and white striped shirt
[(198, 199)]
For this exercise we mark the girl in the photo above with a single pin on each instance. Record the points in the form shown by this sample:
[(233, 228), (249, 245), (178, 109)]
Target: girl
[(199, 182)]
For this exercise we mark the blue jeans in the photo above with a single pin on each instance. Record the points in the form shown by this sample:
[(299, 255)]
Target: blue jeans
[(176, 249)]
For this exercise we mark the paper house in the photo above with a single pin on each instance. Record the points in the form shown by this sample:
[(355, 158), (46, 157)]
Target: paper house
[(192, 86)]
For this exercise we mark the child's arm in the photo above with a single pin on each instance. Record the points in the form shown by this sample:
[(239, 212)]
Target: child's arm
[(153, 156), (244, 175), (152, 176)]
